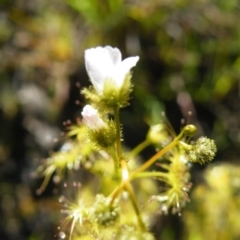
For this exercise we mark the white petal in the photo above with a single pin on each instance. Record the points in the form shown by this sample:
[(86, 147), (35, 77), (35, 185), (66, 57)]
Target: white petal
[(99, 62), (114, 54), (96, 67), (104, 63), (123, 69), (91, 117)]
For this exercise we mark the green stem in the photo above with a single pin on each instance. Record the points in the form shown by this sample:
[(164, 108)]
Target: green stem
[(115, 160), (146, 165), (118, 129), (150, 174), (139, 148), (154, 158), (129, 189), (116, 192), (133, 199), (125, 178)]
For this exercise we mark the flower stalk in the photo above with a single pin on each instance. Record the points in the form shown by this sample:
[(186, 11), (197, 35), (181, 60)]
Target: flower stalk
[(139, 148), (155, 157), (118, 131)]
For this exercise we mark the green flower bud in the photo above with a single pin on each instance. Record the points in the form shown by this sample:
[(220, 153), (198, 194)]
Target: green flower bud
[(103, 135), (203, 150), (189, 130), (103, 138)]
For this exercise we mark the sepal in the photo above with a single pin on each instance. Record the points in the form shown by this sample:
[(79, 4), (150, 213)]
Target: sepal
[(103, 138), (112, 96)]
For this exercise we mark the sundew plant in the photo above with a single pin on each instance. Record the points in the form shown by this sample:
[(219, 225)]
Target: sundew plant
[(122, 193)]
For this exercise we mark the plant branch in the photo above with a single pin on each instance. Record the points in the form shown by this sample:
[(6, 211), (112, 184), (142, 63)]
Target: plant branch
[(161, 175), (154, 158), (118, 129), (139, 148)]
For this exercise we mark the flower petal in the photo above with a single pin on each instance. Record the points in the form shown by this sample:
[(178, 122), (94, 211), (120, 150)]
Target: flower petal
[(104, 63), (114, 54), (96, 61), (123, 69), (91, 117)]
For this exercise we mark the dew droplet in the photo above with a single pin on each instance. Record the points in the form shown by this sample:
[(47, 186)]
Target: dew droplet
[(62, 235), (56, 179), (39, 191), (78, 84), (164, 209), (77, 102), (61, 199), (74, 184)]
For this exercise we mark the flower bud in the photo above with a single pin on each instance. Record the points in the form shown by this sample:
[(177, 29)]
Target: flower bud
[(202, 151), (91, 118), (189, 130), (102, 135)]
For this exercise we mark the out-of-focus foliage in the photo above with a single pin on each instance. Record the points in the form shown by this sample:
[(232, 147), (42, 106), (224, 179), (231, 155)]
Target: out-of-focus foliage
[(214, 211), (189, 62)]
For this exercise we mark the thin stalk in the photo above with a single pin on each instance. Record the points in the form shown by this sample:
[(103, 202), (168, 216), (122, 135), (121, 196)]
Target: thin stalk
[(115, 161), (139, 148), (118, 129), (116, 192), (129, 189), (154, 158), (133, 199), (146, 165), (125, 178), (150, 174)]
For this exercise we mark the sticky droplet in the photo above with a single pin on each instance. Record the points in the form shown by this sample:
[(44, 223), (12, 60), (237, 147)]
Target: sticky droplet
[(61, 199), (62, 235)]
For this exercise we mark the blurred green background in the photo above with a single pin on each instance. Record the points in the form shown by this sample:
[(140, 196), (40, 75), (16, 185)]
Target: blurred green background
[(189, 62)]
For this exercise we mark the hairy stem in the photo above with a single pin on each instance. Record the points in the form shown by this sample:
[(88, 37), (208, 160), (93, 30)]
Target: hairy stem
[(118, 129), (125, 178), (115, 160)]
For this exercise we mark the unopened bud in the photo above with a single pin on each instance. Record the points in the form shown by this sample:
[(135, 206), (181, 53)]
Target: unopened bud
[(202, 151), (189, 130)]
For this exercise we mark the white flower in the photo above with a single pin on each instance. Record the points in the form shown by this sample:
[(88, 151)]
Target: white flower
[(91, 118), (104, 63)]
